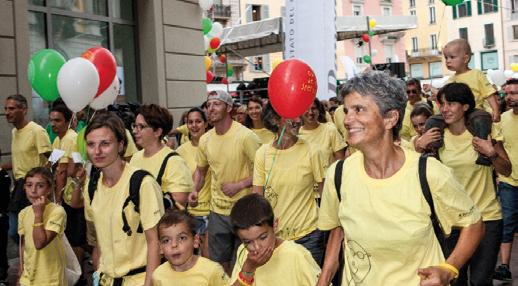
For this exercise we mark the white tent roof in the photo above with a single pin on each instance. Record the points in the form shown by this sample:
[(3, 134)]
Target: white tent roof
[(265, 36)]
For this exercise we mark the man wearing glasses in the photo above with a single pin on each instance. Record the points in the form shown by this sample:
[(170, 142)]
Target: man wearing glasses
[(414, 94)]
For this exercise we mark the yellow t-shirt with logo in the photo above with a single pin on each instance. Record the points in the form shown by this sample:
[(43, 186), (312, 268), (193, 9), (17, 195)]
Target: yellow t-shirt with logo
[(508, 134), (27, 148), (177, 177), (478, 83), (231, 158), (121, 253), (132, 147), (387, 226), (67, 144), (458, 154), (290, 265), (204, 273), (288, 176), (326, 139), (45, 266), (265, 136), (188, 153)]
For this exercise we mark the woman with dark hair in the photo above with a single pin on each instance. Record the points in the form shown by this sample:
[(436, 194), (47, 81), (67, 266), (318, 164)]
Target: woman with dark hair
[(198, 124), (126, 257), (285, 171), (254, 120), (152, 123), (459, 153), (321, 135), (375, 203)]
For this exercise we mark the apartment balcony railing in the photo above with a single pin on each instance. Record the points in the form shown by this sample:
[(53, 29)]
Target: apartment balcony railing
[(221, 11), (426, 52)]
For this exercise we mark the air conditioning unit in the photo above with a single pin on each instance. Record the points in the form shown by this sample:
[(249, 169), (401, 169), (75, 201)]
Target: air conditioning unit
[(488, 43)]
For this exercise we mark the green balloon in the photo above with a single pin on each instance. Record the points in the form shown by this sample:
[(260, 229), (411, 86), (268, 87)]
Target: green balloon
[(230, 70), (371, 33), (81, 143), (206, 25), (452, 2), (43, 73), (367, 59)]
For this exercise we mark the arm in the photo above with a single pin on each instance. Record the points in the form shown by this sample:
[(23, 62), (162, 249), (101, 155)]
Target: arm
[(198, 180), (336, 236), (6, 165), (181, 198), (320, 188), (40, 235), (493, 102), (254, 261), (257, 190), (153, 254), (496, 153), (231, 189), (432, 135), (339, 155), (61, 181)]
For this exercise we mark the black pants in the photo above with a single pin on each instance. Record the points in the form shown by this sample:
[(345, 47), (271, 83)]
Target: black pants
[(4, 227), (482, 264)]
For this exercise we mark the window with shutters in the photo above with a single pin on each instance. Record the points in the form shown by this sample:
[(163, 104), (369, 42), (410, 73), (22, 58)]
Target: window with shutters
[(357, 10), (260, 63), (487, 6), (463, 33), (433, 41), (462, 10), (432, 14), (412, 3), (256, 12), (415, 46), (489, 35), (515, 32), (412, 12)]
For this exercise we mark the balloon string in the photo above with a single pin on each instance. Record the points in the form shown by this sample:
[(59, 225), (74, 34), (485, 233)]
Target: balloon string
[(274, 157), (71, 120)]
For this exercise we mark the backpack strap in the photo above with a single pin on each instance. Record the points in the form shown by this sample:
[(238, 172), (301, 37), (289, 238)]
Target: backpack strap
[(338, 178), (428, 197), (163, 166), (134, 196), (95, 174)]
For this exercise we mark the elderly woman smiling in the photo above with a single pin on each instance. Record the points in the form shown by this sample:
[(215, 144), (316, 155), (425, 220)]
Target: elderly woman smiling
[(381, 213)]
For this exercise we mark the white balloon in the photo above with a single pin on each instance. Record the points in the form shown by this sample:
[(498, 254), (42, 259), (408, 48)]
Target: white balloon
[(508, 73), (206, 4), (496, 76), (217, 30), (206, 42), (108, 96), (78, 81)]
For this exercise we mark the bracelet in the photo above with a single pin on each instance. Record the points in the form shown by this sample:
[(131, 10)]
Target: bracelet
[(246, 273), (451, 268), (248, 281), (242, 282), (37, 224)]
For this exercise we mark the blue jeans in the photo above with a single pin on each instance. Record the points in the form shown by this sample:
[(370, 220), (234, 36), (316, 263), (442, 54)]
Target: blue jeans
[(508, 196), (314, 243), (13, 226)]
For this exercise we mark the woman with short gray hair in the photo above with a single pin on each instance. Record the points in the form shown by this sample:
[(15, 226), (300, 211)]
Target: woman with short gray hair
[(379, 209)]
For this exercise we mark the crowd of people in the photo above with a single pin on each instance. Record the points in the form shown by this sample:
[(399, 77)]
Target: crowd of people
[(396, 183)]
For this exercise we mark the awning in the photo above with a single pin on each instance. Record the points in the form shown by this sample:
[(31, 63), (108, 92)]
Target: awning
[(265, 36)]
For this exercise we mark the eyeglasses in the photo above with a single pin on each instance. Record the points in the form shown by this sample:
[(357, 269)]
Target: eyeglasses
[(138, 127), (413, 91)]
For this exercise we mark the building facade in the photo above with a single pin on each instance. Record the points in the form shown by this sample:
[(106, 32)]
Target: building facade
[(510, 32)]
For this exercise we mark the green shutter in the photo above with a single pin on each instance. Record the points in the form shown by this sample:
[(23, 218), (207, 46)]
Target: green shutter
[(479, 7), (495, 5), (469, 7), (454, 9)]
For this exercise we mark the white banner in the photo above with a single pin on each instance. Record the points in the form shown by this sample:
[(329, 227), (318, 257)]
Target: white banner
[(310, 35)]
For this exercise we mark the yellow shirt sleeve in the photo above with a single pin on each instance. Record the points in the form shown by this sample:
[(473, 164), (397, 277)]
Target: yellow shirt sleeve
[(21, 218), (57, 220), (201, 158), (151, 203), (250, 145), (259, 178), (218, 277), (306, 268), (317, 165), (486, 88), (328, 215), (89, 216), (177, 177), (42, 141)]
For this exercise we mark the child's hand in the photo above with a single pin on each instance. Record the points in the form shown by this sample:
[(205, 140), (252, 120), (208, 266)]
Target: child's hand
[(39, 205), (256, 259), (432, 135), (496, 116)]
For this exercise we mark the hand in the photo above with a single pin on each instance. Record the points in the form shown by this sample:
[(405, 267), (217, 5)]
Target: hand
[(80, 176), (435, 276), (496, 116), (256, 259), (432, 135), (484, 147), (193, 199), (231, 189), (38, 205)]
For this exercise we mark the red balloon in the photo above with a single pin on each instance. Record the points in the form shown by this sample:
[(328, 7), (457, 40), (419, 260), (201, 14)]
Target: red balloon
[(104, 62), (224, 80), (222, 58), (210, 77), (214, 43), (292, 88), (365, 38)]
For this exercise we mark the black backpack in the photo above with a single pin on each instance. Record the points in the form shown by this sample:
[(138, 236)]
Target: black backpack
[(134, 191), (425, 188)]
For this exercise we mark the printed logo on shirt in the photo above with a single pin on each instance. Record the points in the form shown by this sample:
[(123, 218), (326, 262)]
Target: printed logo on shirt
[(271, 196), (359, 262), (468, 213)]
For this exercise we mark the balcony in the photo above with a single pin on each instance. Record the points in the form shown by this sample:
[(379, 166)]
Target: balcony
[(221, 11), (423, 53)]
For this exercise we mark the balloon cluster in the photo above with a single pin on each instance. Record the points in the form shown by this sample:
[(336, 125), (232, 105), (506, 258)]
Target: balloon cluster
[(365, 38), (89, 79), (499, 77)]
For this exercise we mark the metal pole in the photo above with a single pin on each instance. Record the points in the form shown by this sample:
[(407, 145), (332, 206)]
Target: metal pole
[(370, 39)]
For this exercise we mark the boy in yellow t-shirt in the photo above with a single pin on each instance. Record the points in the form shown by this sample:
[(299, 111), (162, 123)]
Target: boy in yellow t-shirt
[(41, 228), (178, 241), (264, 259)]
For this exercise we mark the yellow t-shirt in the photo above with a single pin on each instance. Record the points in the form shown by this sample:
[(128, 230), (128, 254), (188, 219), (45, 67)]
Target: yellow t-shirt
[(508, 134), (27, 148), (288, 177), (185, 133), (290, 265), (265, 136), (458, 154), (387, 226), (68, 144), (478, 83), (45, 266), (177, 177), (188, 153), (204, 273), (339, 117), (121, 253), (231, 158), (326, 138), (328, 117), (132, 147), (407, 130)]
